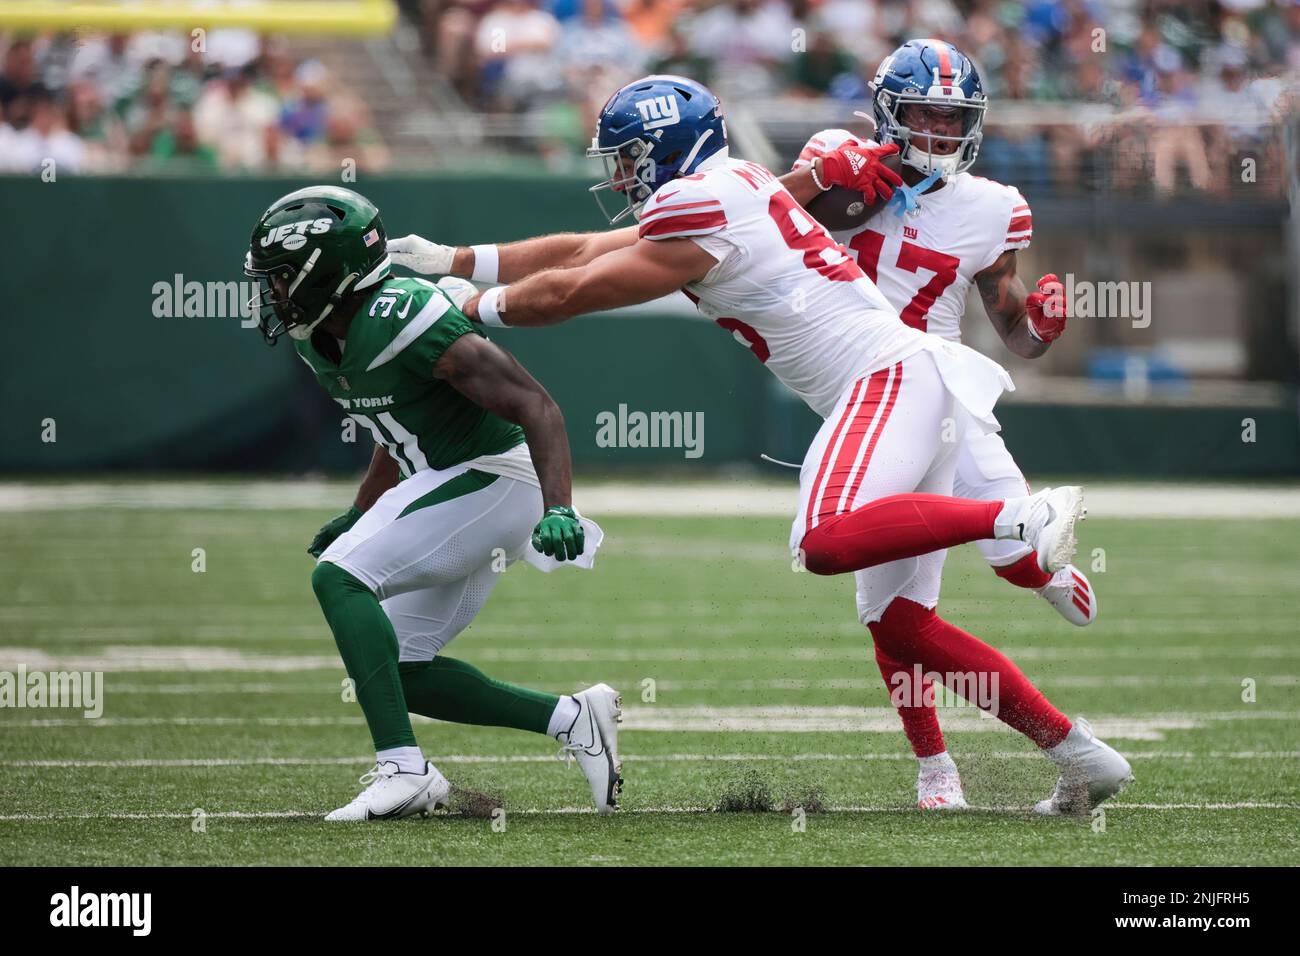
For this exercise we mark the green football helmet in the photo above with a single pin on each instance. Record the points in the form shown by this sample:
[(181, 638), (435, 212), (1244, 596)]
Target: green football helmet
[(310, 249)]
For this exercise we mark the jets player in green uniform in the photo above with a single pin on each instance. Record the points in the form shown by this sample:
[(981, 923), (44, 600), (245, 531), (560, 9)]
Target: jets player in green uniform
[(471, 461)]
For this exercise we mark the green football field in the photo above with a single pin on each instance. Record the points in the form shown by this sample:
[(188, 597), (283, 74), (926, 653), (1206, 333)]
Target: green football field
[(225, 734)]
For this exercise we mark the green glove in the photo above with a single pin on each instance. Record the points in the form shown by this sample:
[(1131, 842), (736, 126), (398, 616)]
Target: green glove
[(559, 534), (333, 528)]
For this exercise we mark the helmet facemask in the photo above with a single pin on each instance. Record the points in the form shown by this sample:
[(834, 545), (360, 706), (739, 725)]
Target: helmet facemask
[(278, 310), (630, 170), (895, 111)]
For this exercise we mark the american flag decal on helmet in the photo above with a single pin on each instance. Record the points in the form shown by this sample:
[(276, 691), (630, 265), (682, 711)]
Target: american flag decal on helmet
[(370, 238)]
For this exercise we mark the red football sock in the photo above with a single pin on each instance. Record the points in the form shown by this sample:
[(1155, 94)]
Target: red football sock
[(911, 634), (1024, 573), (896, 527), (921, 724)]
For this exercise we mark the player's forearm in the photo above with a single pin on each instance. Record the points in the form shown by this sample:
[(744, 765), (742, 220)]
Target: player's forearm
[(518, 260), (801, 185), (1013, 320), (381, 475), (548, 443), (560, 294), (1020, 341), (549, 298), (1004, 299)]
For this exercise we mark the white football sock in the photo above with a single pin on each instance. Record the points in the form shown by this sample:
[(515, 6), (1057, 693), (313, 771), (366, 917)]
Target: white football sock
[(562, 718), (1067, 750), (408, 759), (1015, 511), (939, 761)]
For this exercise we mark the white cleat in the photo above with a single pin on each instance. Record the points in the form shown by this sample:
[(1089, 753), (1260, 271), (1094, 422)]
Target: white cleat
[(940, 790), (1071, 593), (1091, 771), (592, 739), (391, 794), (1045, 522)]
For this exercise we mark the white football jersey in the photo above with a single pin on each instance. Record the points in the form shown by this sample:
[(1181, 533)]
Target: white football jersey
[(782, 286), (925, 261)]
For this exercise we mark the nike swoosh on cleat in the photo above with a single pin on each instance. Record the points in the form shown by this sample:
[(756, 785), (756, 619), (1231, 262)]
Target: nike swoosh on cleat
[(389, 814), (597, 741)]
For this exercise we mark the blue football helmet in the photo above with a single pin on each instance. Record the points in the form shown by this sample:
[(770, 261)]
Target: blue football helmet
[(652, 131), (936, 75)]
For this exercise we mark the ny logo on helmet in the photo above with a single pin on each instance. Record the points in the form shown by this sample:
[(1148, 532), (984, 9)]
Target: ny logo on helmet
[(659, 111)]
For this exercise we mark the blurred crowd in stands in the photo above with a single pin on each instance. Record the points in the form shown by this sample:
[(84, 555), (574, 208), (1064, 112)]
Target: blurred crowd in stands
[(1191, 85), (508, 54), (225, 100), (1131, 94)]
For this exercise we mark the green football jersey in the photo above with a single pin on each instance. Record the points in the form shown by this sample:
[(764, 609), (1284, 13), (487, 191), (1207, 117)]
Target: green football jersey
[(385, 382)]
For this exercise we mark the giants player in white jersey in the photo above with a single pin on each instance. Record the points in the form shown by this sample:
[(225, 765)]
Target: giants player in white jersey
[(875, 494), (949, 230)]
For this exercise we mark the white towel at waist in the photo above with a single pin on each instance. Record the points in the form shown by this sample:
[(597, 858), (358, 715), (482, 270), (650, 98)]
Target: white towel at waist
[(974, 380), (593, 537)]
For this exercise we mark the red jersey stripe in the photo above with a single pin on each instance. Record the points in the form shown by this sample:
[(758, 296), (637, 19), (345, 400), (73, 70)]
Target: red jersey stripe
[(859, 432), (849, 408), (875, 437), (670, 227)]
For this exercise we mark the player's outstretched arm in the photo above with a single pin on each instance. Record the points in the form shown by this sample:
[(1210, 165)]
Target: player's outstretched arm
[(1005, 302), (646, 270), (510, 261), (519, 260), (491, 378)]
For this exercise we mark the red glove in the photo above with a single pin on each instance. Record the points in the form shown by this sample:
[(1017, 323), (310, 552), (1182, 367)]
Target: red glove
[(860, 169), (1046, 309)]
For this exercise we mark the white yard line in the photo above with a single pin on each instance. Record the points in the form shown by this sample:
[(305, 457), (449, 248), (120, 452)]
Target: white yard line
[(713, 498), (704, 719), (775, 684), (162, 658), (636, 811)]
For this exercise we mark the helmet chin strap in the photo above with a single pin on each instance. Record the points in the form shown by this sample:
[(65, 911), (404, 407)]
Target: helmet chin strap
[(300, 332)]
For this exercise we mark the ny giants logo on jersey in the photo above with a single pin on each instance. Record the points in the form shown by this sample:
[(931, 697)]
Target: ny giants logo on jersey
[(294, 234), (658, 111)]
